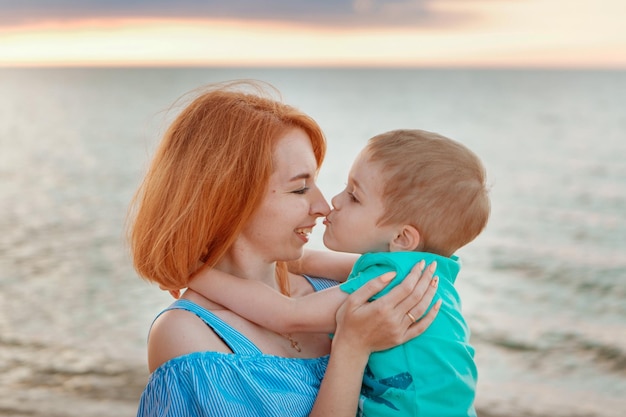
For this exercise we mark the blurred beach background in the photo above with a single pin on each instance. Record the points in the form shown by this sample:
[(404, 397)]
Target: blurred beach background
[(543, 287), (536, 88)]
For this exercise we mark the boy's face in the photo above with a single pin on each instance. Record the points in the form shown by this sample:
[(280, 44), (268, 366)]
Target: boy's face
[(352, 225)]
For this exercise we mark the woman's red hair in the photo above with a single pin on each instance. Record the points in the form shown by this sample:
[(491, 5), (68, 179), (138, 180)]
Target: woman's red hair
[(208, 176)]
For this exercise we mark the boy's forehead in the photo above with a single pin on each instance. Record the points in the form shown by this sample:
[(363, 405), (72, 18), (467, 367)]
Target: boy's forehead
[(357, 167), (365, 174), (365, 160), (361, 160)]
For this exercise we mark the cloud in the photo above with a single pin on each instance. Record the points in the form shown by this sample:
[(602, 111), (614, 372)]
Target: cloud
[(335, 13)]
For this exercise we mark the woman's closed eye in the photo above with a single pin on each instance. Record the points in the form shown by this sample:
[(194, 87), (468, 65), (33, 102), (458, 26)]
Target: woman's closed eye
[(302, 190)]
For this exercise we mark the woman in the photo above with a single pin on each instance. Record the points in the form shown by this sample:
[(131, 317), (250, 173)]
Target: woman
[(232, 187)]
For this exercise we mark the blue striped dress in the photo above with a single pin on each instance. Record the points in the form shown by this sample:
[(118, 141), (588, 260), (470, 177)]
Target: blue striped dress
[(247, 383)]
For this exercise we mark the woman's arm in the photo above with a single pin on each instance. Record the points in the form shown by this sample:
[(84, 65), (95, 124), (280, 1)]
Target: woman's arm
[(257, 302), (364, 327), (325, 264)]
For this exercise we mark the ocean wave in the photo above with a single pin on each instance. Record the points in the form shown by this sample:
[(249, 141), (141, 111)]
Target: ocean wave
[(589, 276), (560, 350), (40, 380), (31, 365)]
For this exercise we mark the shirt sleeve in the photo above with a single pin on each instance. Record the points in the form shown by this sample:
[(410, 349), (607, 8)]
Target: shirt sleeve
[(370, 266)]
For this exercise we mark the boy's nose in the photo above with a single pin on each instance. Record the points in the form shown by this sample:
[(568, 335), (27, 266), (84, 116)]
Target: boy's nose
[(334, 201)]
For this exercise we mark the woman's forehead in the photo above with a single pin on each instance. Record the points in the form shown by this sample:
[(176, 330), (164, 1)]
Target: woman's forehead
[(293, 154)]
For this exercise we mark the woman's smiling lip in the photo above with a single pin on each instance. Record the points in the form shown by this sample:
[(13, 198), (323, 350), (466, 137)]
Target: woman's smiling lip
[(304, 232)]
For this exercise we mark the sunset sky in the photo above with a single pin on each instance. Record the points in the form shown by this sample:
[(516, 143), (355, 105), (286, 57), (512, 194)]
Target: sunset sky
[(470, 33)]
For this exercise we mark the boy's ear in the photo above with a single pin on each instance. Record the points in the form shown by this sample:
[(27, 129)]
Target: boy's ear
[(407, 239)]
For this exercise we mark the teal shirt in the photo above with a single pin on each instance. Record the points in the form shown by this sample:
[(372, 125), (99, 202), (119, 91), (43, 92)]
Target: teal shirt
[(432, 375)]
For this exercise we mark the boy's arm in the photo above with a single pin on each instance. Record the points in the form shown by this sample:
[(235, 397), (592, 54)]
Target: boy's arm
[(257, 302), (324, 264)]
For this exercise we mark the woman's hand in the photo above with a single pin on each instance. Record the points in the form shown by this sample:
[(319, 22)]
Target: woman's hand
[(364, 327), (389, 320)]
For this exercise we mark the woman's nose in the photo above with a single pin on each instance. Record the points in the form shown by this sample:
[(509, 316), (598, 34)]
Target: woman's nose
[(319, 206)]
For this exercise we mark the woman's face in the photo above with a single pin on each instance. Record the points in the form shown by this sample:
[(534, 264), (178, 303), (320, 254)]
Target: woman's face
[(280, 226)]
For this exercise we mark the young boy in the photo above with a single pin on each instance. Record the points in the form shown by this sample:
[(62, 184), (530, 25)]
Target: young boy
[(412, 196)]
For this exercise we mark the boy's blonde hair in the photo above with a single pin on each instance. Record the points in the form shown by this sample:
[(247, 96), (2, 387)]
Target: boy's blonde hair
[(433, 183), (208, 176)]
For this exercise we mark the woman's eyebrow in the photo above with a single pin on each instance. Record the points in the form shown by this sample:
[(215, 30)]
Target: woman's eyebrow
[(303, 176)]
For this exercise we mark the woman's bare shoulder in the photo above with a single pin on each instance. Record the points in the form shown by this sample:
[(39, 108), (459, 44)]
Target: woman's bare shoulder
[(179, 332)]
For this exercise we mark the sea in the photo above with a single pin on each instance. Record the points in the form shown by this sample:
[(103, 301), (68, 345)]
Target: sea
[(543, 287)]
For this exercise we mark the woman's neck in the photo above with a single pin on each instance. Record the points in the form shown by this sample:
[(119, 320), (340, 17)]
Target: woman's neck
[(248, 267)]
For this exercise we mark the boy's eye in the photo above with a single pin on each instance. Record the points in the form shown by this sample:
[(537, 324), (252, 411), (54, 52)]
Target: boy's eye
[(352, 197)]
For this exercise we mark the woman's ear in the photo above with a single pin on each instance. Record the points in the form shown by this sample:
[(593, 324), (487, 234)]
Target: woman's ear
[(407, 239)]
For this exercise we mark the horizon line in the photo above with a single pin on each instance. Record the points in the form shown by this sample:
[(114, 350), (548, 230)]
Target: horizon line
[(171, 65)]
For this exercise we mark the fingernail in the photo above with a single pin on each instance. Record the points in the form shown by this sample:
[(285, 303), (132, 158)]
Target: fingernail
[(422, 264), (434, 282), (432, 266)]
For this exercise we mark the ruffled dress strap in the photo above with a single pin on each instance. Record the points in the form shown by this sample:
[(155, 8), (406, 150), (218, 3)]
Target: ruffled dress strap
[(319, 284), (237, 342)]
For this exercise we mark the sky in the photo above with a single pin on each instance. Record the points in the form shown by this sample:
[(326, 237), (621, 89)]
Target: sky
[(399, 33)]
